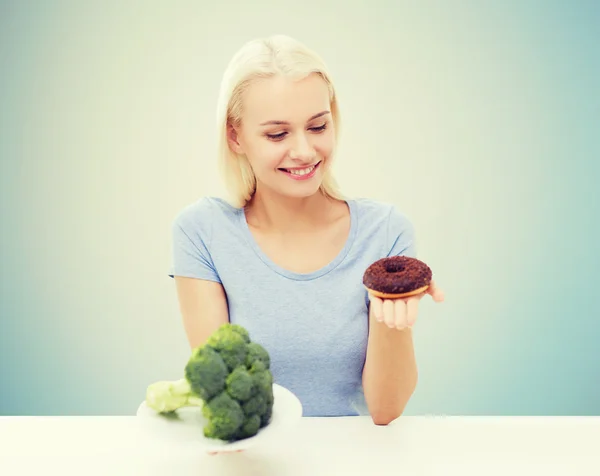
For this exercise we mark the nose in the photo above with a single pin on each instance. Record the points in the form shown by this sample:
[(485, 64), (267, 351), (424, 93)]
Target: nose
[(302, 150)]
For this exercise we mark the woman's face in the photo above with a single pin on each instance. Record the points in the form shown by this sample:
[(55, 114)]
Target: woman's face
[(287, 134)]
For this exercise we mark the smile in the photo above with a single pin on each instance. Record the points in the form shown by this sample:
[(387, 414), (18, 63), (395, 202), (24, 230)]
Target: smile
[(301, 174)]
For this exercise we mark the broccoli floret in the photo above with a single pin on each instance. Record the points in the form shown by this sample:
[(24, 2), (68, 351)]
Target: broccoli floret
[(230, 344), (264, 398), (263, 380), (240, 384), (257, 353), (206, 372), (265, 418), (225, 417), (249, 428), (229, 377), (257, 405), (241, 331), (257, 366)]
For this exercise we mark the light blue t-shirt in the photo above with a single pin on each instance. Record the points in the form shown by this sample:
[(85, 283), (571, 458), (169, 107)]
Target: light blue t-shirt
[(314, 326)]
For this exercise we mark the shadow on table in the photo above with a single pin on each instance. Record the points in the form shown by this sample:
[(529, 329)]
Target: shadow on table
[(246, 463)]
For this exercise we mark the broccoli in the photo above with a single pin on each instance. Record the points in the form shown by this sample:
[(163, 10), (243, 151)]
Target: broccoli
[(230, 378)]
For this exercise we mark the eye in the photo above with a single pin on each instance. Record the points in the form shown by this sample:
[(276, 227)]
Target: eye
[(319, 128), (279, 136)]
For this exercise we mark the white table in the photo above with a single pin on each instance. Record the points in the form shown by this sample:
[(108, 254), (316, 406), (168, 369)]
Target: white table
[(433, 446)]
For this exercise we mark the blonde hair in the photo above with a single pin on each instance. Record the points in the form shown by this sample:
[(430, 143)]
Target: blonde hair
[(263, 58)]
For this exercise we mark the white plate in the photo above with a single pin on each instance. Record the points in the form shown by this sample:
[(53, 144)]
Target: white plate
[(188, 427)]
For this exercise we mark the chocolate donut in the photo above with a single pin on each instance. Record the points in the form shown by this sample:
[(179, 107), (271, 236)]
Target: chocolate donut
[(397, 277)]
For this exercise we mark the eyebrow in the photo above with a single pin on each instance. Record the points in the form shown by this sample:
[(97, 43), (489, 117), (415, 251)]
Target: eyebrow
[(277, 123)]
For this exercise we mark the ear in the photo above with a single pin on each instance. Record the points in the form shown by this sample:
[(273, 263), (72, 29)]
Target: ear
[(232, 139)]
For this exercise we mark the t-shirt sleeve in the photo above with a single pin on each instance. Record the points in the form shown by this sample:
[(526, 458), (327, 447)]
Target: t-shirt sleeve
[(191, 234), (400, 235)]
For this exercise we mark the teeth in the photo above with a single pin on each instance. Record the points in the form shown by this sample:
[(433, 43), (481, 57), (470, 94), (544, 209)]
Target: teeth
[(302, 171)]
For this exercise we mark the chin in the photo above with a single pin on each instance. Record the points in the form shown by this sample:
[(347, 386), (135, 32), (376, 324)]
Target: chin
[(303, 192), (298, 190)]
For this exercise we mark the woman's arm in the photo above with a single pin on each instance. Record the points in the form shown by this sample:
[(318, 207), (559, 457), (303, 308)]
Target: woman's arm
[(390, 371), (203, 307)]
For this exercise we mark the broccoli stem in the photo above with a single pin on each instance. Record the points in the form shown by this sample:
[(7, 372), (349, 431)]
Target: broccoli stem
[(168, 396), (193, 401)]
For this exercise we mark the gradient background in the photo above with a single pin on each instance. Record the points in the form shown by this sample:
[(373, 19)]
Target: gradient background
[(480, 120)]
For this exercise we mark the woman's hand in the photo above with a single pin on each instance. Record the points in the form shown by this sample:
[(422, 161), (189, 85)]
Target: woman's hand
[(402, 313), (215, 453)]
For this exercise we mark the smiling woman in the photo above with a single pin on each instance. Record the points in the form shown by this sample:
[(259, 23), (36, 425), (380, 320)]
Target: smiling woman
[(284, 257), (286, 131)]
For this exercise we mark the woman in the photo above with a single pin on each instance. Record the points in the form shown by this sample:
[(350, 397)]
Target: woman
[(285, 255)]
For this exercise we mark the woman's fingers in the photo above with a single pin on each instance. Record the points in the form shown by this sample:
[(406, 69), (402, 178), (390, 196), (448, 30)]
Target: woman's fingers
[(436, 293), (215, 453), (377, 308), (389, 313), (412, 310), (400, 311)]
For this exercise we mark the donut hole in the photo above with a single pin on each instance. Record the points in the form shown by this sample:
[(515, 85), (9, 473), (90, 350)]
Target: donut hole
[(394, 267)]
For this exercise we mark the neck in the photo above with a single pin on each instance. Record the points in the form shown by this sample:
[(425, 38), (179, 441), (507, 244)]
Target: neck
[(287, 214)]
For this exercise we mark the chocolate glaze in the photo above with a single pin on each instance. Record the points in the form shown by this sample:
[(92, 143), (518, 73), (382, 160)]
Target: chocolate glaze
[(397, 275)]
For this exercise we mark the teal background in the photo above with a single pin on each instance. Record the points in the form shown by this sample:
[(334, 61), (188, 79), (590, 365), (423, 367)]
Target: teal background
[(479, 119)]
